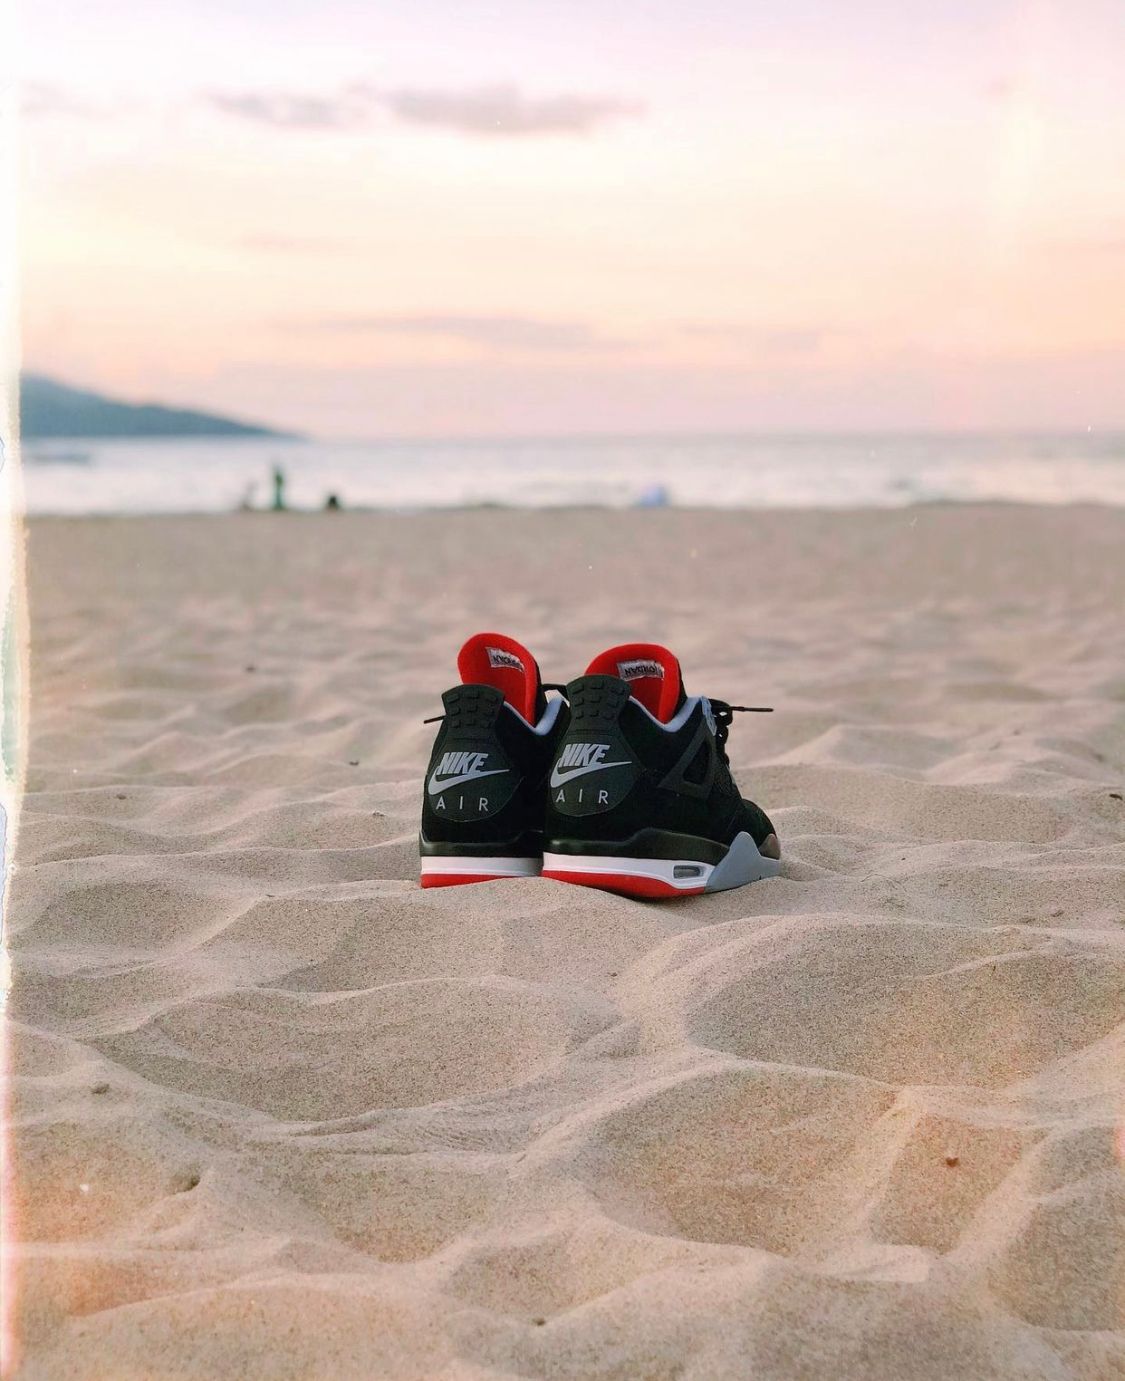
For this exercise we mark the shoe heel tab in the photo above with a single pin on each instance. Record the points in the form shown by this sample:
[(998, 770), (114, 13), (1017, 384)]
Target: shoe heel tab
[(596, 699), (471, 709)]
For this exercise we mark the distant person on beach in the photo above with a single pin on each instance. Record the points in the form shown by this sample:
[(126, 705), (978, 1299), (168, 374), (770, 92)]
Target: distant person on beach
[(278, 489)]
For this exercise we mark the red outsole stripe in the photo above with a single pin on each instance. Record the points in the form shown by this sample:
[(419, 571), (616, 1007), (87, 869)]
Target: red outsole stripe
[(624, 883), (460, 879)]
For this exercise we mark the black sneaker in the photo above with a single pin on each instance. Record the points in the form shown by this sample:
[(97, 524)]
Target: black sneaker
[(640, 797), (482, 809)]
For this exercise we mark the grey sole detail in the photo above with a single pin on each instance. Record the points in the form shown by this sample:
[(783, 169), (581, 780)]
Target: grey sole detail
[(742, 864)]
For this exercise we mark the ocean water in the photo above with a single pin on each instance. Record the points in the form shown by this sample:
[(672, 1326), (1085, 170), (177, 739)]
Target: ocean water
[(172, 476)]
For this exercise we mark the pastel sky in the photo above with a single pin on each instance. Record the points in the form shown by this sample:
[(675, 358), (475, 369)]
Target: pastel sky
[(557, 216)]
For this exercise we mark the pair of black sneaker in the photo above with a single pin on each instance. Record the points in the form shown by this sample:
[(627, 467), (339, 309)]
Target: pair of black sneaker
[(620, 780)]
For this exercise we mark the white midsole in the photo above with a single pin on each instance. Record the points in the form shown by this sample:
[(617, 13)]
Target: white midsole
[(477, 866), (742, 863), (662, 869)]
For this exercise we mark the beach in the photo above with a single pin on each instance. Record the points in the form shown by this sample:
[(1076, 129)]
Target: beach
[(278, 1112)]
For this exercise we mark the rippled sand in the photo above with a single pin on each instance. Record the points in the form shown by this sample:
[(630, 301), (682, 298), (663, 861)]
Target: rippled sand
[(277, 1112)]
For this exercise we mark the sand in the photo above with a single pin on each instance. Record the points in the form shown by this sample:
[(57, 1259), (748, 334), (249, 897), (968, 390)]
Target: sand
[(277, 1112)]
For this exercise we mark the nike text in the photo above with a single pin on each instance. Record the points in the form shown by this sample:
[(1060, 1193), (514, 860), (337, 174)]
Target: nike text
[(455, 769), (576, 759)]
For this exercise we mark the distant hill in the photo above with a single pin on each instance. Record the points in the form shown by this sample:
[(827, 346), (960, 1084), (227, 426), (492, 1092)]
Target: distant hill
[(49, 409)]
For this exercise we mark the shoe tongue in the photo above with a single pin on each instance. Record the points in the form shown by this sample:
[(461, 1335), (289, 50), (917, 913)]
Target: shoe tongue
[(652, 672), (491, 659)]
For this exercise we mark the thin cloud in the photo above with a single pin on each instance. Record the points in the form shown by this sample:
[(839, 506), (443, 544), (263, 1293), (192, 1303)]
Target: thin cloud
[(291, 110), (1018, 90), (1110, 243), (290, 244), (492, 111), (505, 111), (1001, 88), (781, 339), (41, 99), (497, 332)]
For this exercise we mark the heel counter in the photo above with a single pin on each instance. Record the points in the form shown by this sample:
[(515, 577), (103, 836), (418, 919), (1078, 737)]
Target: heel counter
[(470, 778), (594, 768)]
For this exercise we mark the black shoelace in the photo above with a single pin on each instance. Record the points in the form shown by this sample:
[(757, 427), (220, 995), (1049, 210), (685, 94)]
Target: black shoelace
[(724, 716), (723, 713)]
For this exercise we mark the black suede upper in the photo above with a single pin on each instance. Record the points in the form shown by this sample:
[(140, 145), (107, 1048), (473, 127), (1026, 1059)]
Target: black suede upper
[(619, 772)]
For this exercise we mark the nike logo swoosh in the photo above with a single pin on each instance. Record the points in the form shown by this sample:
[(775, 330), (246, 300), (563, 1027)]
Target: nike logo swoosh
[(561, 778), (434, 785)]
